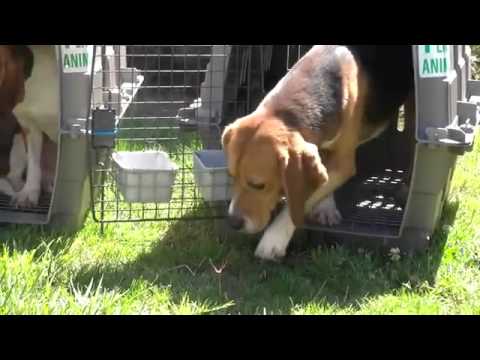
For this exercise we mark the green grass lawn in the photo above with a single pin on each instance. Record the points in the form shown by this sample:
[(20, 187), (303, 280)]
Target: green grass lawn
[(187, 268), (184, 268)]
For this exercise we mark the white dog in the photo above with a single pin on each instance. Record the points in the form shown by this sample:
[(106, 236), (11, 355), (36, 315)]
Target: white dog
[(36, 107)]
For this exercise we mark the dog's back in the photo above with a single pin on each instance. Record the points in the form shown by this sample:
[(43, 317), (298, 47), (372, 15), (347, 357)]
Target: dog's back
[(311, 94)]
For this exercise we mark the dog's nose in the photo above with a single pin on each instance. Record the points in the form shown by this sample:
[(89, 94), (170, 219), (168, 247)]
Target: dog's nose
[(236, 222)]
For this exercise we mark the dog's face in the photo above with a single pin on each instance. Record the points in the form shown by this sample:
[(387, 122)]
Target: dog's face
[(12, 79), (267, 162)]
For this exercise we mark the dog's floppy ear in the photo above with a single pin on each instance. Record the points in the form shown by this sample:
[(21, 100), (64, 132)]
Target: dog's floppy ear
[(234, 139), (12, 81), (227, 136), (3, 64), (230, 153), (302, 174)]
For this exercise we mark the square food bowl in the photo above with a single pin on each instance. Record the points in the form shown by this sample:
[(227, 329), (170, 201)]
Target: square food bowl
[(145, 177), (211, 175)]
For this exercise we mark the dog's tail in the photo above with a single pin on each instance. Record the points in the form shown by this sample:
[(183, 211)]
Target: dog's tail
[(6, 188)]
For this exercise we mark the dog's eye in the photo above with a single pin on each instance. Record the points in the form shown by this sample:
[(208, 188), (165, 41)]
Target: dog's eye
[(258, 187)]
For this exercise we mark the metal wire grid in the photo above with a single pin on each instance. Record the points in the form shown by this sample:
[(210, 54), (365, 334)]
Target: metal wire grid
[(174, 107), (42, 207), (295, 53), (172, 86)]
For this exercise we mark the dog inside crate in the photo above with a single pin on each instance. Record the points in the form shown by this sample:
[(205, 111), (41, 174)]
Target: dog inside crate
[(29, 131), (165, 118)]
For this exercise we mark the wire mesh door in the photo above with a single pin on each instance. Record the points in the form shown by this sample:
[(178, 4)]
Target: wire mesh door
[(295, 53), (157, 115)]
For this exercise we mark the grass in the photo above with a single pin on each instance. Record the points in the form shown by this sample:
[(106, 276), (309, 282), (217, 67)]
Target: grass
[(187, 268)]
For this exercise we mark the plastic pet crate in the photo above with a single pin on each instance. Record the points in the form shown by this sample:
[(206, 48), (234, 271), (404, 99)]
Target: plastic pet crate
[(75, 78)]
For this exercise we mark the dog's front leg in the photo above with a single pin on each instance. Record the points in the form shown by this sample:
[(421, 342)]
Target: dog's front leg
[(274, 243), (18, 163), (326, 212), (321, 207), (30, 193)]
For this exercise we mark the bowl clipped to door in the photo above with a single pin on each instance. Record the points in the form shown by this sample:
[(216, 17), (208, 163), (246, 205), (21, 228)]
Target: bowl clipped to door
[(145, 177), (211, 175)]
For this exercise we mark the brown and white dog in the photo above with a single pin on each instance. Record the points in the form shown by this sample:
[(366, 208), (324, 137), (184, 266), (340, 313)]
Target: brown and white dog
[(28, 79), (302, 140)]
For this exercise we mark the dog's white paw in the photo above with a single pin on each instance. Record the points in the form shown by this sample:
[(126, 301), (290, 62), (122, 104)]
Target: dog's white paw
[(275, 241), (270, 249), (48, 185), (49, 188), (6, 188), (17, 183), (27, 198), (326, 213)]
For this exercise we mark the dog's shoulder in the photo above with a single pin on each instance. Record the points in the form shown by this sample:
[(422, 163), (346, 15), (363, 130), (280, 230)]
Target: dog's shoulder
[(310, 94)]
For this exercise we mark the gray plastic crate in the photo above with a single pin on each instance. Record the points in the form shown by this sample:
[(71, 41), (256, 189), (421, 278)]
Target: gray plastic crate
[(446, 112), (144, 177), (445, 121), (71, 86), (211, 175), (70, 91)]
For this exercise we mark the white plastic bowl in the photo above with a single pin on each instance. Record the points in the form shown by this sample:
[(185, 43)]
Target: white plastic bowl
[(211, 175), (145, 177)]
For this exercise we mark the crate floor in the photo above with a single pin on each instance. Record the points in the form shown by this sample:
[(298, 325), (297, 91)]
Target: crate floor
[(13, 215), (371, 206)]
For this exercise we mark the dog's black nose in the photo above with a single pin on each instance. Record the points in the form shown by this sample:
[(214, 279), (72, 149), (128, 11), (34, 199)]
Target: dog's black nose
[(236, 222)]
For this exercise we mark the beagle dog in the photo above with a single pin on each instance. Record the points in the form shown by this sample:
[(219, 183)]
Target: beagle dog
[(301, 141), (27, 76)]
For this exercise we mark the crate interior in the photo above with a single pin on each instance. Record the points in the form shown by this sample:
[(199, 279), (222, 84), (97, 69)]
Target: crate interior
[(373, 202)]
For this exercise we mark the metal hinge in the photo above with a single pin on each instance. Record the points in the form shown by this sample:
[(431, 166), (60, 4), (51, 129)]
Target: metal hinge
[(461, 133)]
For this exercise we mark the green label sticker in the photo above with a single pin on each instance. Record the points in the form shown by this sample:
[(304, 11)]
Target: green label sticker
[(77, 58), (434, 60)]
